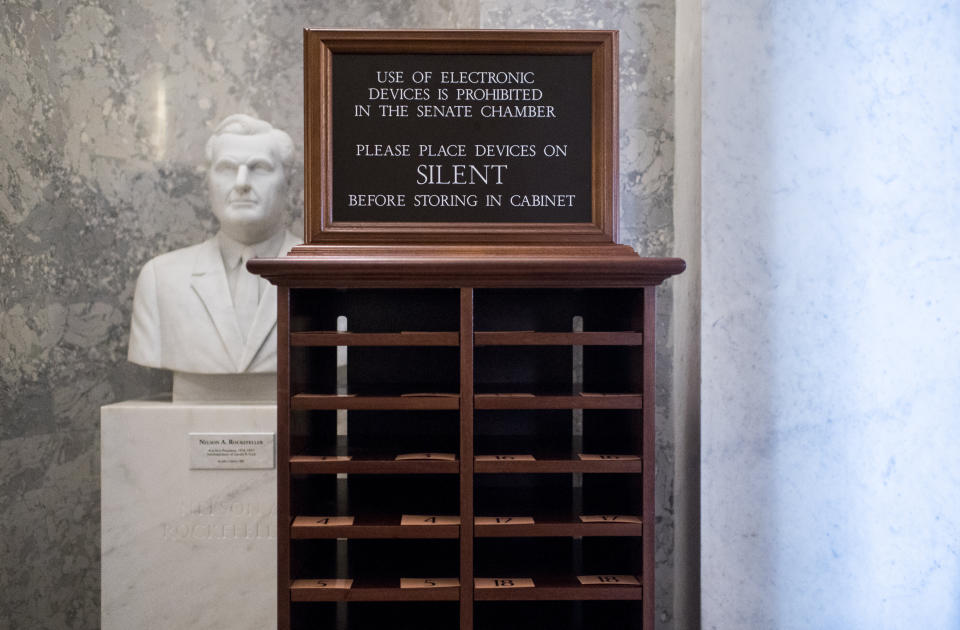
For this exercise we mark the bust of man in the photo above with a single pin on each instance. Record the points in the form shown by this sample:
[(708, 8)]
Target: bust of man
[(197, 310)]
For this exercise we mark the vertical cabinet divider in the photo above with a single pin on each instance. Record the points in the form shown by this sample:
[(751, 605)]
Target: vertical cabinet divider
[(466, 459), (283, 458), (645, 314)]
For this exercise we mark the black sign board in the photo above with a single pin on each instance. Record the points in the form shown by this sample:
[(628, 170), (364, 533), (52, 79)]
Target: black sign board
[(469, 136)]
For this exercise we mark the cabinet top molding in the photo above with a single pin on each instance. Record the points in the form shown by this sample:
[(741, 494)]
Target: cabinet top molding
[(361, 268)]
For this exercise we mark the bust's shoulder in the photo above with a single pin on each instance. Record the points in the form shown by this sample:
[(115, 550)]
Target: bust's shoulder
[(180, 260)]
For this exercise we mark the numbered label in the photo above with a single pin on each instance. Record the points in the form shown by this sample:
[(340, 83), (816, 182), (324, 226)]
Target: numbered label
[(609, 580), (324, 584), (506, 458), (428, 519), (504, 520), (440, 457), (503, 583), (329, 521), (608, 458), (610, 518), (429, 582)]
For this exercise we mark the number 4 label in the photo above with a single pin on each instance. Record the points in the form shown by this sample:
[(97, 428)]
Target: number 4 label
[(331, 521), (428, 519)]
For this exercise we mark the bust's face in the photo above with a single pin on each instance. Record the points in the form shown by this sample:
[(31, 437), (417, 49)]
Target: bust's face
[(248, 187)]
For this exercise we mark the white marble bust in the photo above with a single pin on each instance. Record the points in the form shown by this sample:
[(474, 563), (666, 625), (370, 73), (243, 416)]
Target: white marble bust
[(197, 310)]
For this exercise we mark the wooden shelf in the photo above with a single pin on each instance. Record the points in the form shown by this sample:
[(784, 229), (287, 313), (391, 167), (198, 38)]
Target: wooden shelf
[(371, 591), (580, 401), (387, 527), (314, 465), (303, 402), (557, 527), (529, 338), (333, 338), (558, 465), (554, 588)]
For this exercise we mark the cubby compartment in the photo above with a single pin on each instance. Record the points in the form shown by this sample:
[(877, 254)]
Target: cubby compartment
[(612, 493), (610, 555), (364, 615), (545, 370), (612, 369), (557, 615), (376, 495), (557, 569), (373, 371), (385, 434), (386, 561), (524, 557), (403, 616), (543, 433), (315, 433), (313, 370), (374, 311), (534, 495), (612, 431), (554, 310)]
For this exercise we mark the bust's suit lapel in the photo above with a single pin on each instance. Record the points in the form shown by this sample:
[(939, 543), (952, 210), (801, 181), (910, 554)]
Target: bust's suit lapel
[(209, 281), (266, 317)]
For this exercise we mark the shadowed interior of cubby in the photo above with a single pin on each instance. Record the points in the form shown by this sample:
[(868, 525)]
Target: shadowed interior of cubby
[(427, 370), (379, 434), (540, 432), (387, 496), (372, 370), (367, 615), (523, 369), (371, 310), (553, 558), (555, 495), (556, 615), (550, 310), (390, 433), (611, 431), (378, 562)]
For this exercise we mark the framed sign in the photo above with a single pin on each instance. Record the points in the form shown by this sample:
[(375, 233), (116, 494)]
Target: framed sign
[(500, 137)]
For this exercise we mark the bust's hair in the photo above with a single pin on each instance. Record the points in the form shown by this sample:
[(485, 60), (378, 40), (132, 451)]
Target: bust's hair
[(244, 125)]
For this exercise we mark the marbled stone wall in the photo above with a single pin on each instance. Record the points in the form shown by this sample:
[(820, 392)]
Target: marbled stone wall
[(831, 315), (104, 110)]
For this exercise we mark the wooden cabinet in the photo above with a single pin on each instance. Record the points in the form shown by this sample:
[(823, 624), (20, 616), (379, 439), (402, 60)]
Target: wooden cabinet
[(467, 424)]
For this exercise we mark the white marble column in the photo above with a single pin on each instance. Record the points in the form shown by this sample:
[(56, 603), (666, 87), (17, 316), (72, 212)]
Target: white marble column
[(831, 314)]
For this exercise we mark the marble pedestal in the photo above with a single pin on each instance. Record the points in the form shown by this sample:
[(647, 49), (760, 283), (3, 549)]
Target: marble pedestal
[(184, 548)]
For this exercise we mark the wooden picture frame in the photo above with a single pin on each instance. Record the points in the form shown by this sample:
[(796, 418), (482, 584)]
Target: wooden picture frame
[(578, 190)]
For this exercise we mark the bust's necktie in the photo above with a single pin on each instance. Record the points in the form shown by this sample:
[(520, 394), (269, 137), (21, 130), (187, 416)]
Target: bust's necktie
[(246, 298)]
